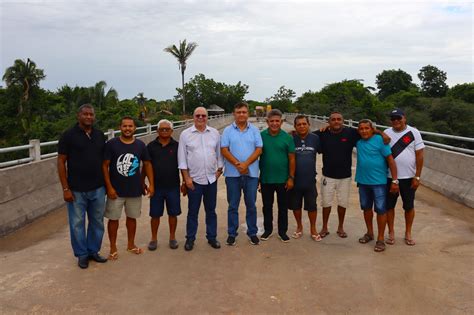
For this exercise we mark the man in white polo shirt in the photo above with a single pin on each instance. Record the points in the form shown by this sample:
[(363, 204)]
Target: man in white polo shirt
[(407, 150)]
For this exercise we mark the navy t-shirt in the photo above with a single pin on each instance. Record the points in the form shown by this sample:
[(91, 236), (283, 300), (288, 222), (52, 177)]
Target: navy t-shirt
[(337, 151), (305, 154), (165, 163), (124, 166)]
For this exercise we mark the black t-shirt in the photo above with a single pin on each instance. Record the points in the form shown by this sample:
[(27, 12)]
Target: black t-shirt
[(337, 151), (84, 158), (124, 166), (305, 154), (165, 163)]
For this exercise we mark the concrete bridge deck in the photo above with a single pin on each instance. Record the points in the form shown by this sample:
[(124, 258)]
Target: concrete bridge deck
[(39, 273)]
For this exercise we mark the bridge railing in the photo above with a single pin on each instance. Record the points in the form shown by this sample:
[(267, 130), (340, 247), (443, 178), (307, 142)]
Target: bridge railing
[(34, 146), (353, 124)]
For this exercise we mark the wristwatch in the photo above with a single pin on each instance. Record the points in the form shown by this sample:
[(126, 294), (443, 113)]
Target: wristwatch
[(291, 177), (417, 178), (395, 181)]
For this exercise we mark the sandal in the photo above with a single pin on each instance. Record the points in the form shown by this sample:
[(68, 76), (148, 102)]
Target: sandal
[(366, 238), (297, 235), (324, 234), (390, 241), (135, 250), (409, 242), (341, 234), (379, 246), (113, 256), (316, 237)]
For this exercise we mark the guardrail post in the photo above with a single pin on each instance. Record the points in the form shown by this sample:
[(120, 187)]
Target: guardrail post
[(148, 129), (35, 150), (110, 134), (350, 123)]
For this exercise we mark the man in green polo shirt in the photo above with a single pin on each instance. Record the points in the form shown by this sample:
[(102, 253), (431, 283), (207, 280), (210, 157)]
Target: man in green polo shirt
[(277, 171)]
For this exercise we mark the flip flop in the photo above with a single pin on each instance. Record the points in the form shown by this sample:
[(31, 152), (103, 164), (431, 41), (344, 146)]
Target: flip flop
[(316, 238), (390, 241), (366, 238), (297, 235), (113, 256), (324, 234), (342, 234), (379, 246), (135, 250), (410, 242)]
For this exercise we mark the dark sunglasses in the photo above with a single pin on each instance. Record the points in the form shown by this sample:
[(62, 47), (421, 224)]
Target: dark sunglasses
[(200, 115), (394, 118), (164, 129)]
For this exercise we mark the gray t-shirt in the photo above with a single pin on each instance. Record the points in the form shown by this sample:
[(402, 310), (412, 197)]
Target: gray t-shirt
[(305, 152)]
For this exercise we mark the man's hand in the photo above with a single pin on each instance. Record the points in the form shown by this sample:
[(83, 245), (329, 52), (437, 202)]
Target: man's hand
[(394, 188), (68, 196), (150, 191), (289, 184), (184, 189), (218, 173), (415, 183), (243, 168), (189, 183), (324, 128), (112, 194)]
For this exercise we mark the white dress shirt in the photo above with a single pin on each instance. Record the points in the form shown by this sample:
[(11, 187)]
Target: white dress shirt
[(200, 153)]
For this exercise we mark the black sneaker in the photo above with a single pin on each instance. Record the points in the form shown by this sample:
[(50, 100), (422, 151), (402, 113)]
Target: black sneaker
[(83, 262), (265, 236), (284, 238), (97, 258), (230, 241), (189, 245), (214, 244), (254, 240)]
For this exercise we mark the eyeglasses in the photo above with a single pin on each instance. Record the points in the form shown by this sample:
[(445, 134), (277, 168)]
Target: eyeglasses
[(164, 129), (200, 115), (394, 118)]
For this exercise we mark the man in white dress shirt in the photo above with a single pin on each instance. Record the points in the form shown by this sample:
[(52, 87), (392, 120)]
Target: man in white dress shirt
[(200, 162)]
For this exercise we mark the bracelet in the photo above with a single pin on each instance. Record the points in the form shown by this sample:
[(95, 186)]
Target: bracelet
[(291, 177), (65, 189)]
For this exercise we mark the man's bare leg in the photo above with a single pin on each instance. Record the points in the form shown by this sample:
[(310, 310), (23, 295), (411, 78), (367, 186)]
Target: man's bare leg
[(381, 223), (112, 228), (324, 229), (312, 215), (391, 226), (173, 222), (299, 223), (155, 223), (409, 217), (368, 217), (131, 230), (341, 213)]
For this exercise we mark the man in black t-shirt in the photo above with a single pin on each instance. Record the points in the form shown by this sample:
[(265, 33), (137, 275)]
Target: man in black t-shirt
[(306, 149), (80, 152), (163, 152), (121, 168)]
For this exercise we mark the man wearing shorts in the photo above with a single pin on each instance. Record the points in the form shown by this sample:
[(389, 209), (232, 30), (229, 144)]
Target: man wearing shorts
[(407, 150), (241, 145), (277, 174), (306, 148), (163, 152), (371, 177), (121, 168)]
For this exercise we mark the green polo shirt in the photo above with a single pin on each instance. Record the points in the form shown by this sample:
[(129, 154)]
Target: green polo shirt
[(274, 158)]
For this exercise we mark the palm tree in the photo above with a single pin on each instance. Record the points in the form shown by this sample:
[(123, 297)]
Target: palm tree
[(182, 53), (99, 98), (26, 75), (141, 100)]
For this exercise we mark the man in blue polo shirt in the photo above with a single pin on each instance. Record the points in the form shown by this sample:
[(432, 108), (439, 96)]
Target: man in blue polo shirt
[(241, 145)]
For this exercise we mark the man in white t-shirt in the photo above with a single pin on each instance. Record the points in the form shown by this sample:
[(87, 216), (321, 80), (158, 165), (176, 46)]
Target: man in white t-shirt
[(407, 150)]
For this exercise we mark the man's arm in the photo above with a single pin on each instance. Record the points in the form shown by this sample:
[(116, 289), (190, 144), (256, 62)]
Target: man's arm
[(111, 193), (291, 171), (187, 179), (62, 172), (419, 166), (393, 170), (151, 180)]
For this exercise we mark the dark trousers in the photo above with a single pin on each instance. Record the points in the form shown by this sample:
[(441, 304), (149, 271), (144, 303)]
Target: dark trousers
[(268, 194), (208, 194)]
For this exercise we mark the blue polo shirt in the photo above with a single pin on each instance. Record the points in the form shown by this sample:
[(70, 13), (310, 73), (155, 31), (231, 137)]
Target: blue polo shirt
[(241, 143), (371, 161)]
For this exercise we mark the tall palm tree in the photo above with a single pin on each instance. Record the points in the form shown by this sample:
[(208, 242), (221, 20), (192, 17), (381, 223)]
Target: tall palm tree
[(182, 53), (99, 97), (141, 100), (25, 75)]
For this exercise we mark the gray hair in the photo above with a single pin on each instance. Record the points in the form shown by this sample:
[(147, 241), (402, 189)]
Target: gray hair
[(164, 121), (83, 106), (274, 112), (367, 121)]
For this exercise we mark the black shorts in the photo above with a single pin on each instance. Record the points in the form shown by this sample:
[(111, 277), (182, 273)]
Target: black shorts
[(407, 193), (296, 196)]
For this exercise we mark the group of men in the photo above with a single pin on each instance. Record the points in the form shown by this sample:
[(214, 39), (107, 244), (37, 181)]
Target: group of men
[(271, 161)]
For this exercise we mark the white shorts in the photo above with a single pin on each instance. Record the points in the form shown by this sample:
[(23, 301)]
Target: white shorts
[(341, 187)]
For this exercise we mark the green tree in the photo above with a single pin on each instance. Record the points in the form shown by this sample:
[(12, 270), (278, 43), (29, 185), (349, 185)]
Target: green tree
[(26, 75), (282, 99), (141, 101), (463, 92), (182, 53), (101, 99), (392, 81), (433, 81)]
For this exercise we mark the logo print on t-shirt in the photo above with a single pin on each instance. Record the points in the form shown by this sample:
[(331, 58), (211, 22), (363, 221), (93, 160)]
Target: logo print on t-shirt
[(406, 139), (344, 139), (127, 164)]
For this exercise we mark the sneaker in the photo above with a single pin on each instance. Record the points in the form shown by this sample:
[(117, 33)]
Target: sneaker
[(189, 245), (254, 240), (153, 245), (284, 238), (265, 236), (173, 244), (230, 241), (214, 244), (83, 262), (97, 258)]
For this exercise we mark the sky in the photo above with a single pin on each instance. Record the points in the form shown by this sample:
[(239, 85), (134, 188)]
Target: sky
[(303, 45)]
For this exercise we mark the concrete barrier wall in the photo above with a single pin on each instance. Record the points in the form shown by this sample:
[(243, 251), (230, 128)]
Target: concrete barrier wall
[(447, 172), (32, 190)]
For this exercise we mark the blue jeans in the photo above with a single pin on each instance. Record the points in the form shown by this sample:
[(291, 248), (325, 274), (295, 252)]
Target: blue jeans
[(208, 194), (373, 195), (235, 185), (93, 203)]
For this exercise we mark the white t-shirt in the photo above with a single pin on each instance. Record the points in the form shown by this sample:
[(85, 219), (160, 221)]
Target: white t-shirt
[(406, 160)]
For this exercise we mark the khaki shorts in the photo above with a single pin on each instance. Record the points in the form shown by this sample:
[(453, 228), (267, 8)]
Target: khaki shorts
[(132, 205), (341, 187)]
